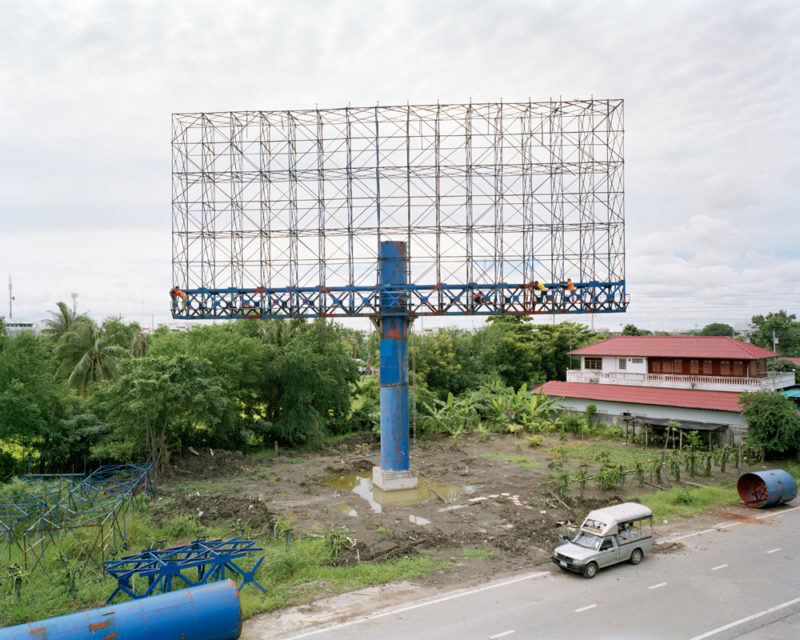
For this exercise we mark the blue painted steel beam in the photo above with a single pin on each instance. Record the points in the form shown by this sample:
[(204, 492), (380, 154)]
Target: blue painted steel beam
[(420, 300), (393, 321), (210, 612)]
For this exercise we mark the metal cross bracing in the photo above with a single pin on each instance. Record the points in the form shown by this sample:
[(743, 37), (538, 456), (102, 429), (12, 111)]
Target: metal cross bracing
[(435, 300), (281, 213), (199, 562), (91, 511)]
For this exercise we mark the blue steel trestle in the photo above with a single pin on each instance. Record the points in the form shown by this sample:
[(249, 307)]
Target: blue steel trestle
[(365, 302), (197, 563)]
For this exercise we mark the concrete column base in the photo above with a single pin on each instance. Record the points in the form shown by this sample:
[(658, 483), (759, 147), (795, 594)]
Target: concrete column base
[(393, 480)]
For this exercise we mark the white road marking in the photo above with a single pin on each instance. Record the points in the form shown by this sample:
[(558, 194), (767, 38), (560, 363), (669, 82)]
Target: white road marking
[(717, 568), (775, 550), (418, 605), (591, 606), (725, 525), (776, 513), (502, 635), (657, 586), (736, 623), (688, 535)]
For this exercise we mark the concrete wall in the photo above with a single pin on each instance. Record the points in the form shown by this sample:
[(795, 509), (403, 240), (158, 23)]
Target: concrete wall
[(611, 413), (611, 364)]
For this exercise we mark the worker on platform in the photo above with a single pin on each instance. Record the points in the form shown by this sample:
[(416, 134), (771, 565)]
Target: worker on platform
[(178, 298), (570, 285)]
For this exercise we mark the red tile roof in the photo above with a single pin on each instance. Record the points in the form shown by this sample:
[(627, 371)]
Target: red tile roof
[(676, 347), (794, 361), (716, 400)]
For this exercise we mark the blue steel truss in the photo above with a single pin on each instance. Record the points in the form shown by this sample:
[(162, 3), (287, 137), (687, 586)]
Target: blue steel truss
[(199, 562), (442, 300), (92, 511)]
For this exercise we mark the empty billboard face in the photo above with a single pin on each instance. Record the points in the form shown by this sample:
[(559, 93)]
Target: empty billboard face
[(280, 213)]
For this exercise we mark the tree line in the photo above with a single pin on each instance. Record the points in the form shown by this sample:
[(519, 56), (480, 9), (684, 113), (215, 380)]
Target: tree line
[(81, 390)]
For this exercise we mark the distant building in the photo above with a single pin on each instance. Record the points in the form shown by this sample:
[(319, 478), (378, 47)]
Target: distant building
[(15, 327), (644, 382)]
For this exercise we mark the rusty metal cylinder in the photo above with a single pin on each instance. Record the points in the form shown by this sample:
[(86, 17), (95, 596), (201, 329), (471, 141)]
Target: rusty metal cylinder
[(766, 488), (208, 612)]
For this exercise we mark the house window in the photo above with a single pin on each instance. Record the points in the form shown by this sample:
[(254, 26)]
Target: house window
[(655, 365), (724, 367), (621, 364), (694, 366), (738, 368), (707, 368), (637, 360), (595, 364), (677, 366)]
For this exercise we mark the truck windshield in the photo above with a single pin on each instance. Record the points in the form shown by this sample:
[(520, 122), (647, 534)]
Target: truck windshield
[(588, 540)]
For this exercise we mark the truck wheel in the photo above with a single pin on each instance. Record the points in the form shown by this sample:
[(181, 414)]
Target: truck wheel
[(590, 570), (636, 556)]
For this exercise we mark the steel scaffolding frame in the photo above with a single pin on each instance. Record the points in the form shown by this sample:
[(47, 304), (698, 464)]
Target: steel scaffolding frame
[(281, 213), (92, 511)]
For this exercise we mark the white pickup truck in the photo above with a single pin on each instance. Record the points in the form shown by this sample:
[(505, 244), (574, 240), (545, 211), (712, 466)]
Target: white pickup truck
[(608, 536)]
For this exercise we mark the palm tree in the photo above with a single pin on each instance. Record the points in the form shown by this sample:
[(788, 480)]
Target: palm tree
[(64, 320), (87, 357)]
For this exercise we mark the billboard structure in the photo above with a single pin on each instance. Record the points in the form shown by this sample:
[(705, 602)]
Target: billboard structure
[(399, 211)]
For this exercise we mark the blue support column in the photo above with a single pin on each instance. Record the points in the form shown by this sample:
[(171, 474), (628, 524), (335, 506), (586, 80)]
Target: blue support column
[(393, 323)]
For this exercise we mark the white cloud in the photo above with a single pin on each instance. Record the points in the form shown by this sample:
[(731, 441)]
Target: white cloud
[(711, 126)]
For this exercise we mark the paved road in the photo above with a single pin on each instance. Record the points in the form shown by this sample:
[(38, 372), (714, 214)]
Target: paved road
[(740, 579)]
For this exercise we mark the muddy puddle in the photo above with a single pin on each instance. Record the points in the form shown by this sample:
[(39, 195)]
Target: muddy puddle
[(361, 484)]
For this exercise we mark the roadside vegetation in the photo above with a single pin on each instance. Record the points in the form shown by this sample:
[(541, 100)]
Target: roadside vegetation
[(81, 394), (292, 573)]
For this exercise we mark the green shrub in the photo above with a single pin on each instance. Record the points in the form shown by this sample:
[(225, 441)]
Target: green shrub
[(534, 441), (571, 423)]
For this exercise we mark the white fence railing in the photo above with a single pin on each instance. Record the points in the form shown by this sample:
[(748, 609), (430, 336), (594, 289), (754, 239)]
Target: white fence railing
[(772, 381)]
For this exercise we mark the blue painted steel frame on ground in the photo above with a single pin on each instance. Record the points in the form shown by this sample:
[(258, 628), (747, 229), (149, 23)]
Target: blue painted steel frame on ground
[(433, 300), (164, 569), (92, 510)]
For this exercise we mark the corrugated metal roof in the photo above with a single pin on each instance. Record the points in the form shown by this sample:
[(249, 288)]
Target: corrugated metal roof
[(676, 347), (714, 400)]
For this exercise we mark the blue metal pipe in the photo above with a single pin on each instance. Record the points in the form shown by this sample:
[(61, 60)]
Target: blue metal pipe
[(210, 612), (766, 488), (394, 322)]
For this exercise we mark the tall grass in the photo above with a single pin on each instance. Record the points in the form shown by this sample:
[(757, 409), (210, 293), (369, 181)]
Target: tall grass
[(680, 502), (291, 575)]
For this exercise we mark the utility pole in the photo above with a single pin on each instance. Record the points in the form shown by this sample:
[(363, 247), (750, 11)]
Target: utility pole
[(10, 298)]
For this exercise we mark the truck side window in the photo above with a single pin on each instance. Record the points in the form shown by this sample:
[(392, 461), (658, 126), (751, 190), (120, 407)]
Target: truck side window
[(606, 545)]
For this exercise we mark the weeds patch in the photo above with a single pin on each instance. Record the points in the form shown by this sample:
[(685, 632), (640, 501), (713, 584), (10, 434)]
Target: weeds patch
[(680, 502), (520, 461)]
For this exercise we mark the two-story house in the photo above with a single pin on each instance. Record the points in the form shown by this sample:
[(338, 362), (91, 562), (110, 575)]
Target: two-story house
[(645, 382)]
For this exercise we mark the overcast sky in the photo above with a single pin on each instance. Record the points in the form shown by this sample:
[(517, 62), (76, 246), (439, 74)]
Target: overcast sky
[(712, 140)]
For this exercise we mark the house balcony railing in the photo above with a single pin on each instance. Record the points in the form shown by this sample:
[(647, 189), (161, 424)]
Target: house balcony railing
[(771, 382)]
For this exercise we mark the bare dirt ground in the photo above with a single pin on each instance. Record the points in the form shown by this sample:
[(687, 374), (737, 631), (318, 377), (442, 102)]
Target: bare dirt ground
[(487, 515), (492, 512)]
